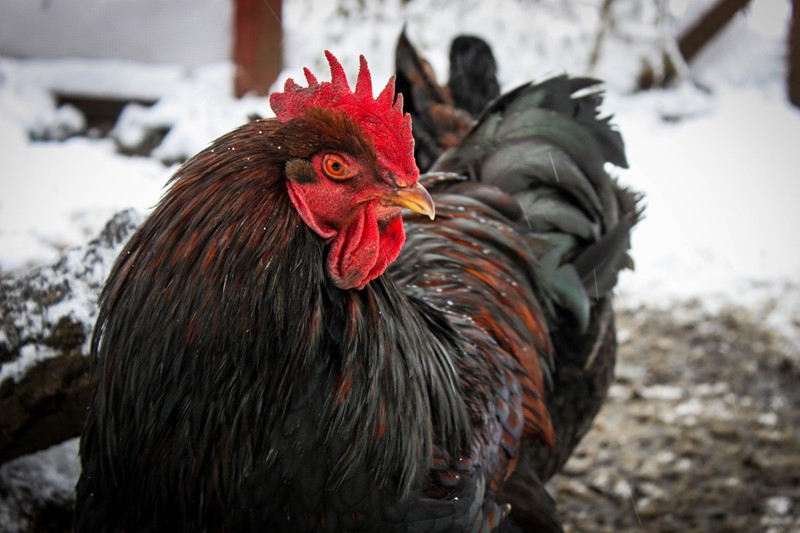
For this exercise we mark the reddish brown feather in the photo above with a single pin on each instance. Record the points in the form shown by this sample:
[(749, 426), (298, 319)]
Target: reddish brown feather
[(460, 265)]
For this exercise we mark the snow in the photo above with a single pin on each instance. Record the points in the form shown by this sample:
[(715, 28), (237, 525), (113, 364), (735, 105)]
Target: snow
[(197, 109), (29, 355), (82, 271), (780, 505), (720, 208), (717, 159), (178, 31), (49, 475), (720, 178), (57, 195), (90, 77)]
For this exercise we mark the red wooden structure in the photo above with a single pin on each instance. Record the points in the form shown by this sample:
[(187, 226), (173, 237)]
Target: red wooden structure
[(257, 50)]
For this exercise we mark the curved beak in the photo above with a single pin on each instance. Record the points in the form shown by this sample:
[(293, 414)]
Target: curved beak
[(415, 198)]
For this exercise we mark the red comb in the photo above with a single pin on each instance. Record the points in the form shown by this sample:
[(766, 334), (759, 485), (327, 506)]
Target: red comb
[(381, 118)]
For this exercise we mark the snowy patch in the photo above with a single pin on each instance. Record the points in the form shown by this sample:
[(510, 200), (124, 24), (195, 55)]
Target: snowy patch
[(779, 505), (662, 392), (196, 110), (68, 289), (29, 355), (58, 195), (768, 419), (49, 475)]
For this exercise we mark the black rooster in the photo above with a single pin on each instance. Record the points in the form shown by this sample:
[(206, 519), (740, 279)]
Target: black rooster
[(279, 350)]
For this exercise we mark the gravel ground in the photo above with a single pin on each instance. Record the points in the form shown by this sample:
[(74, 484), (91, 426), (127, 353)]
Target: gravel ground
[(701, 430)]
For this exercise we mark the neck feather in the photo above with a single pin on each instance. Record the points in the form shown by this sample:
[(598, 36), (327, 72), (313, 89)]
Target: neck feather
[(242, 280)]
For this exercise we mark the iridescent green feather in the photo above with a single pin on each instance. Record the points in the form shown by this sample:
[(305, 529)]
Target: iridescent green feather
[(547, 146)]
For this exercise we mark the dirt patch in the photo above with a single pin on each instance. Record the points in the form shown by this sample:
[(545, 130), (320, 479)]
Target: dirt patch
[(701, 430)]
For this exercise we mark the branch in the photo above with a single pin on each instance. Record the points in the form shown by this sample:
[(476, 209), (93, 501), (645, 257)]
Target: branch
[(706, 28), (605, 22), (676, 55)]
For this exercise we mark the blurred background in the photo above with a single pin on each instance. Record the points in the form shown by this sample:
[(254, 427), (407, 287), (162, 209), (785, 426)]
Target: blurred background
[(101, 100)]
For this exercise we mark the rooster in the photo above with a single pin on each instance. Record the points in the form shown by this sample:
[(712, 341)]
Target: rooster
[(307, 335)]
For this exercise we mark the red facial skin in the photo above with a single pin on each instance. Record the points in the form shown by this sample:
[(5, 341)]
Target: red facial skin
[(358, 213), (354, 204)]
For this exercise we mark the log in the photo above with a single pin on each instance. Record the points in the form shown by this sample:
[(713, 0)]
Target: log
[(47, 319)]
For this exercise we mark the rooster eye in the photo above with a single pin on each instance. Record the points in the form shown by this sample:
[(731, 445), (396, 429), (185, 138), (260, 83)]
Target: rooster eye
[(335, 167)]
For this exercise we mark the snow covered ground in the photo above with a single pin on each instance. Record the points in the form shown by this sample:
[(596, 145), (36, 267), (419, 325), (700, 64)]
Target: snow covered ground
[(719, 165)]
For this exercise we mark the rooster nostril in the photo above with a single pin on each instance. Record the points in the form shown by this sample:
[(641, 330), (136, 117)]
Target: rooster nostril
[(398, 181), (390, 178)]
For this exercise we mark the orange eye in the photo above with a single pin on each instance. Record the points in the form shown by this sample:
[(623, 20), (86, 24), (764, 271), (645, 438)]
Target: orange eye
[(335, 167)]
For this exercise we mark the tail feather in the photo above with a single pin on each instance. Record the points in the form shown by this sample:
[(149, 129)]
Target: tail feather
[(576, 98), (516, 164), (575, 141), (554, 213), (437, 123), (473, 74), (546, 146)]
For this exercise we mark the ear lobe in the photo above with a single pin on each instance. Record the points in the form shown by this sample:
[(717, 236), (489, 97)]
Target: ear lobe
[(300, 171), (306, 214)]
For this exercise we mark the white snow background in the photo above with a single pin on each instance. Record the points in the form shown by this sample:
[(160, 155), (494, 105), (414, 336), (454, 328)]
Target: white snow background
[(718, 160)]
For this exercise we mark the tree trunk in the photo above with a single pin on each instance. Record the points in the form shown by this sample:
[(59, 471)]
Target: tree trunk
[(47, 318), (794, 54)]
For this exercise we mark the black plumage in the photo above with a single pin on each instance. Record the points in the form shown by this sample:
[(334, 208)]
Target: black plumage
[(473, 74), (241, 388)]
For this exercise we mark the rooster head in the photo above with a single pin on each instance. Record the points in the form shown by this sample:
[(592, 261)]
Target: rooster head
[(359, 171)]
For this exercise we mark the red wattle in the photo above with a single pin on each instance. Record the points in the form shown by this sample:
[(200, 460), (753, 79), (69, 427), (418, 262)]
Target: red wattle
[(362, 251)]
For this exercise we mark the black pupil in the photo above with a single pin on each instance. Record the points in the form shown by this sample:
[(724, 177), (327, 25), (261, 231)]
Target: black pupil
[(336, 166)]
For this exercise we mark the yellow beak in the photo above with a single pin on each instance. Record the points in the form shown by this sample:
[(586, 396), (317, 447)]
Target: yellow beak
[(415, 198)]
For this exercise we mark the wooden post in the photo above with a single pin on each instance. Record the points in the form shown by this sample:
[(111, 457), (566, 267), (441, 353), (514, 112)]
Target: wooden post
[(794, 55), (257, 45)]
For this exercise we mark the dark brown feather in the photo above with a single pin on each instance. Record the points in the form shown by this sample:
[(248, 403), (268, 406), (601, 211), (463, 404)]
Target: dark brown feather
[(241, 389)]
